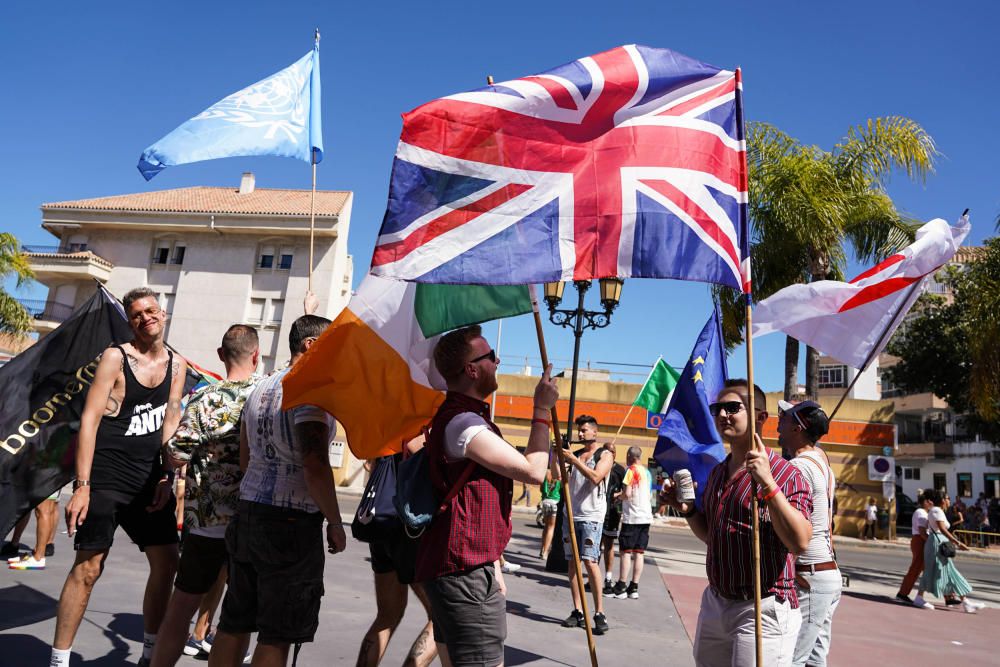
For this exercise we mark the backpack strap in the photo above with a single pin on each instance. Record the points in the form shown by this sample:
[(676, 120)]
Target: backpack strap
[(828, 475), (459, 483)]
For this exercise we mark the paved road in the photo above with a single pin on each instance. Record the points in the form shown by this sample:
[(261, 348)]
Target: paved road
[(652, 630)]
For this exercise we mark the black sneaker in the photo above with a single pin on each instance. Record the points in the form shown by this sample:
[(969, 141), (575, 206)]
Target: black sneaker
[(619, 591), (574, 620), (633, 591), (952, 601), (905, 599), (608, 587), (600, 623), (50, 550)]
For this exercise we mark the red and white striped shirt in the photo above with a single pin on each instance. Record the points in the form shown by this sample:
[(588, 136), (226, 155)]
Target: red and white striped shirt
[(730, 532)]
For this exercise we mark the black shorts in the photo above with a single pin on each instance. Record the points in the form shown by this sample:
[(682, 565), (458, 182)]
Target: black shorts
[(612, 522), (470, 616), (397, 555), (276, 559), (201, 561), (110, 509), (634, 538)]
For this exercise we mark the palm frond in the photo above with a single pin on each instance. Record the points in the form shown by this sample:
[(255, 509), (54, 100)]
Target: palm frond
[(877, 148)]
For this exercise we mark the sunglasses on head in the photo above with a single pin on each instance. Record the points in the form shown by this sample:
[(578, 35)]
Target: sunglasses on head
[(729, 407), (491, 355)]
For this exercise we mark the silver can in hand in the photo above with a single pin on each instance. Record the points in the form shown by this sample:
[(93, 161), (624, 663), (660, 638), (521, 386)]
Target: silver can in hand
[(685, 485)]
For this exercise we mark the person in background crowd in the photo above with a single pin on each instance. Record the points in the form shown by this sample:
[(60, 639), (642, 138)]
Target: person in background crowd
[(871, 517), (637, 515), (918, 537), (941, 577), (612, 521), (551, 493), (393, 561), (589, 469), (46, 520)]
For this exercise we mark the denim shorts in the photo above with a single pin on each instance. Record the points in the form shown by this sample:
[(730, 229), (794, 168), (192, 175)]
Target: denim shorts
[(588, 540)]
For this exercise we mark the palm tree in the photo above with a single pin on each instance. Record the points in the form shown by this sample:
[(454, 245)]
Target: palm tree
[(14, 319), (806, 205)]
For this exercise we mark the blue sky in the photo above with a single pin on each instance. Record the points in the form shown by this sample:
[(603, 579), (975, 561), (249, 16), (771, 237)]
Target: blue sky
[(90, 86)]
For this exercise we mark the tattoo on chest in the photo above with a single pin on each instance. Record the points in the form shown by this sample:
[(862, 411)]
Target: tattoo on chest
[(113, 405), (174, 367), (133, 363)]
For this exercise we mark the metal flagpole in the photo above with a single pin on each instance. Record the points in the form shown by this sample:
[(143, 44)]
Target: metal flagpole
[(312, 201), (577, 569)]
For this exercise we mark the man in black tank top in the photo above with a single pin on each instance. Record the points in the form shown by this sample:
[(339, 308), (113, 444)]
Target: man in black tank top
[(132, 408)]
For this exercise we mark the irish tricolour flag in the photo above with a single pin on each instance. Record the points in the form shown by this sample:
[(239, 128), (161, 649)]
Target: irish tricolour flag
[(373, 369)]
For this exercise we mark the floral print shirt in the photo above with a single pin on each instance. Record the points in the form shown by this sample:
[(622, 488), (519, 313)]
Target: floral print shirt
[(208, 441)]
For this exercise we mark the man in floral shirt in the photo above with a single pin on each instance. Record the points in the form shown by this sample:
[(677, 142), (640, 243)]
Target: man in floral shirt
[(208, 442)]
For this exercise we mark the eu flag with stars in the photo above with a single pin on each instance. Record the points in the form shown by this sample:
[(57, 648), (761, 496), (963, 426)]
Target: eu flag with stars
[(687, 436)]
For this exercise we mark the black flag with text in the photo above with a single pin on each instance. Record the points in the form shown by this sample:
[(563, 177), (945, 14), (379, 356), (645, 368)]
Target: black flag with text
[(42, 393)]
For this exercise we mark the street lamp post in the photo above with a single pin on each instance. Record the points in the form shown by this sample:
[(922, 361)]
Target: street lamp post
[(580, 319)]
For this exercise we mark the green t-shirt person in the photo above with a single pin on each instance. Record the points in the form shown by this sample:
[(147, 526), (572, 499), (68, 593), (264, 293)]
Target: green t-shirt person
[(551, 490)]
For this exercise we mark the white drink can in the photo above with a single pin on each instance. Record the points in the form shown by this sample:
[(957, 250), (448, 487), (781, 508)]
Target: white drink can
[(685, 485)]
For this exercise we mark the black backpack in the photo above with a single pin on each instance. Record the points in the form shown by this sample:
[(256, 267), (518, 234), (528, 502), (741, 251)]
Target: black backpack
[(376, 519)]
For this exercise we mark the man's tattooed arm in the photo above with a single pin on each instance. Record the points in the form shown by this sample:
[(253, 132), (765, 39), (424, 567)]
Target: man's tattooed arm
[(174, 367)]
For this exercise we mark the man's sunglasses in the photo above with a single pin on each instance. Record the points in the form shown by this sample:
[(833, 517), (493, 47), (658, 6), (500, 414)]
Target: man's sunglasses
[(798, 419), (491, 355), (729, 407)]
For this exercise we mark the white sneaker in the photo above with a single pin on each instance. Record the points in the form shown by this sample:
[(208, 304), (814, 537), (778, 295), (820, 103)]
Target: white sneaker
[(920, 602), (974, 604), (510, 568), (27, 562), (969, 607)]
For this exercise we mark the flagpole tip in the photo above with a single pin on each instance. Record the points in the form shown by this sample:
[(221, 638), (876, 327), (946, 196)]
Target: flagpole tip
[(965, 213), (489, 80), (316, 36)]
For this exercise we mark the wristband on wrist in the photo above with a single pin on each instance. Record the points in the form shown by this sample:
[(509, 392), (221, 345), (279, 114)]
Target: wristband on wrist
[(540, 421), (77, 483), (771, 494)]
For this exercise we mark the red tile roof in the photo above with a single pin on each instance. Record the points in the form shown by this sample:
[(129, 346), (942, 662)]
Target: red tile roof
[(203, 199)]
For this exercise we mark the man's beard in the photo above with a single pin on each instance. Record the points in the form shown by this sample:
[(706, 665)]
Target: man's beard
[(486, 385)]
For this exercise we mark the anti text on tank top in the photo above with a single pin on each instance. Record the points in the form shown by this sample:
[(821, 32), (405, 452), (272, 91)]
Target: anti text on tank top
[(127, 454)]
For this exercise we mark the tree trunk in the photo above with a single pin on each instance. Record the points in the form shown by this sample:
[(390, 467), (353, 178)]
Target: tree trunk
[(812, 372), (791, 367)]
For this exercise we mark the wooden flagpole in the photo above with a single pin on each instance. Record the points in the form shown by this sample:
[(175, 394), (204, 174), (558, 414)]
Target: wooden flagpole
[(577, 569), (754, 503), (632, 407)]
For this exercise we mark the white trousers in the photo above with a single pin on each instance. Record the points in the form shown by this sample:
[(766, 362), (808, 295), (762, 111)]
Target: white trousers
[(725, 634)]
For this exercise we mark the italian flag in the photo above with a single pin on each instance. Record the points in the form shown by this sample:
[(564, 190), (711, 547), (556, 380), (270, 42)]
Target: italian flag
[(372, 369), (655, 394)]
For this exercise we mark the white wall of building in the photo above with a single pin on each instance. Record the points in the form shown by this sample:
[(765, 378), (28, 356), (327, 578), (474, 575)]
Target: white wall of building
[(969, 458)]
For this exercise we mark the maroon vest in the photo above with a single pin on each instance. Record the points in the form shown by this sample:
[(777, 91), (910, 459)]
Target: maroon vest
[(474, 527)]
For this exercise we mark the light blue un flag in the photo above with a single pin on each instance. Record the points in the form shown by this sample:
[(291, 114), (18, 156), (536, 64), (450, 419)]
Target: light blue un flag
[(277, 116), (687, 436)]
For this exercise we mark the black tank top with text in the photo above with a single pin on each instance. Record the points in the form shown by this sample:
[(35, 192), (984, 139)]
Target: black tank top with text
[(127, 454)]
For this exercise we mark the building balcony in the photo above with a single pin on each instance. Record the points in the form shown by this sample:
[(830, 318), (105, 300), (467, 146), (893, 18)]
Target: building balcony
[(46, 315), (923, 451), (53, 263)]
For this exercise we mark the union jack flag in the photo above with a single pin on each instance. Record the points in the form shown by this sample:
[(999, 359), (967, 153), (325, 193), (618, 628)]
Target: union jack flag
[(629, 163)]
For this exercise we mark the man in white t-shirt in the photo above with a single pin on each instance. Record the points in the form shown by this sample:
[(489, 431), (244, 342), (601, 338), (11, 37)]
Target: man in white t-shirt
[(589, 469), (275, 542), (817, 577), (637, 515)]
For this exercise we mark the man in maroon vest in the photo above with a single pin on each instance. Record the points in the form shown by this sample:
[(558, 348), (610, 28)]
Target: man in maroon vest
[(457, 557)]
